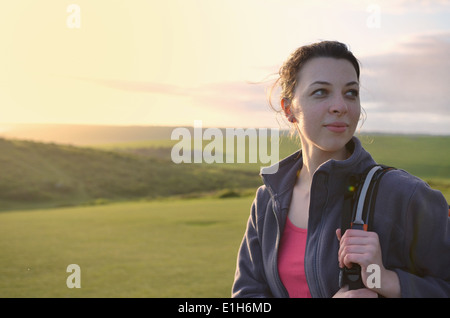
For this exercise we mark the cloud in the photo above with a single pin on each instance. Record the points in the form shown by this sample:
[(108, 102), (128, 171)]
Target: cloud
[(413, 77), (137, 86), (404, 89), (233, 96)]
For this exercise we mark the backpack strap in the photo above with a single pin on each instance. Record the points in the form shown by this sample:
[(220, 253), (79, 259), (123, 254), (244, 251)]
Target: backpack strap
[(358, 223), (359, 204)]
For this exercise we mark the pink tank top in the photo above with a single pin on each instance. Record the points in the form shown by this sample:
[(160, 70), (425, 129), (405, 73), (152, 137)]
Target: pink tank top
[(291, 265)]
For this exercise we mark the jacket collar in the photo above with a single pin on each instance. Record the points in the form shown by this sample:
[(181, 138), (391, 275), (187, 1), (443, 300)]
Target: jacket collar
[(285, 177)]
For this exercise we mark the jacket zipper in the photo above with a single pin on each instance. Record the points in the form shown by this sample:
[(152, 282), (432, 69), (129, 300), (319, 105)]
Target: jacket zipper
[(277, 243), (315, 265)]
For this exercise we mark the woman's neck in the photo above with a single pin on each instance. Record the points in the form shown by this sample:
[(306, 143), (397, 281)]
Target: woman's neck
[(313, 157)]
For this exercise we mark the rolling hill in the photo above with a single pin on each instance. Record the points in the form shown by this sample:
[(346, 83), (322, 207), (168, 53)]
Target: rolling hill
[(82, 135), (46, 174), (42, 174)]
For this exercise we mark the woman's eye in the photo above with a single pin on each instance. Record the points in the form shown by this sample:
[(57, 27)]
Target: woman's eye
[(319, 92), (352, 93)]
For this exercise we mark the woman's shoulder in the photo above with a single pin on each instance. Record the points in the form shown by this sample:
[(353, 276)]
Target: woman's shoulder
[(406, 204), (400, 185), (402, 180)]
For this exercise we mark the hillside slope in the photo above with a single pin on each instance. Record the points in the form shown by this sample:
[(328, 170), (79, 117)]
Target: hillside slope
[(35, 174), (42, 173)]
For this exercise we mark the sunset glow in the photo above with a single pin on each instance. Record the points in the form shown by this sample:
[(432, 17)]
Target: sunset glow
[(172, 62)]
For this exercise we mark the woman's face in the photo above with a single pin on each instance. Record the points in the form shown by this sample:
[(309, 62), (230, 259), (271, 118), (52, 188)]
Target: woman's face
[(326, 103)]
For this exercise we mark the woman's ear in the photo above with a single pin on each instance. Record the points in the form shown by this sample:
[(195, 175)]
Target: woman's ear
[(286, 106)]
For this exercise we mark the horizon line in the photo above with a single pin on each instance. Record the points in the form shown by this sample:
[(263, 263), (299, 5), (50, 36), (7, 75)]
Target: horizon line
[(360, 132)]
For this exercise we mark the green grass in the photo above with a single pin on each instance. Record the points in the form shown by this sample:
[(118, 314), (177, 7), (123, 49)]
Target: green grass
[(39, 175), (177, 248), (169, 247), (48, 175), (424, 156)]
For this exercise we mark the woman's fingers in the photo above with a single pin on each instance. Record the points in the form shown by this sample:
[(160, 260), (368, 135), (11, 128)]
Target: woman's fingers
[(357, 246), (356, 293)]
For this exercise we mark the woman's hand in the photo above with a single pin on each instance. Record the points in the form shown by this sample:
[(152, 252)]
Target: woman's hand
[(360, 247), (356, 293), (363, 248)]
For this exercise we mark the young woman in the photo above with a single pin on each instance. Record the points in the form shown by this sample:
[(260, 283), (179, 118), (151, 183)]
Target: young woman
[(293, 246)]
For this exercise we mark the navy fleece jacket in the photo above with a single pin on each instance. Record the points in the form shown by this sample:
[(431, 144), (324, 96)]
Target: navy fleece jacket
[(411, 220)]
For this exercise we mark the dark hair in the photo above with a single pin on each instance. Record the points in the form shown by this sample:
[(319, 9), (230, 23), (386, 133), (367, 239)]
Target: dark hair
[(288, 72)]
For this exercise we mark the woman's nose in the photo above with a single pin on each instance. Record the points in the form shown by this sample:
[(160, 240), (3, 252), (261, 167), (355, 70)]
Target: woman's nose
[(338, 106)]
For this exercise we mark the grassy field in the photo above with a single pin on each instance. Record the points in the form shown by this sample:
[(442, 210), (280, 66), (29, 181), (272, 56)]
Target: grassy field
[(427, 157), (159, 244), (181, 248), (51, 175)]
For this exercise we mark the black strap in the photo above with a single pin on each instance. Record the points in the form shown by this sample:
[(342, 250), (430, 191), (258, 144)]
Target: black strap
[(359, 205)]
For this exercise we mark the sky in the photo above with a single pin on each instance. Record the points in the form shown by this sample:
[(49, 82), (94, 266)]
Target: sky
[(145, 62)]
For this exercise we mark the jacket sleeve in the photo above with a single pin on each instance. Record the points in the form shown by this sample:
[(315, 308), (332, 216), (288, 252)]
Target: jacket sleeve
[(250, 281), (427, 242)]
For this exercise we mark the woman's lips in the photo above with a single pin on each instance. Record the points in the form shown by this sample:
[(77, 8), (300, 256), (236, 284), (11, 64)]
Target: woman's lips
[(337, 127)]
